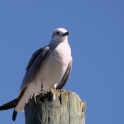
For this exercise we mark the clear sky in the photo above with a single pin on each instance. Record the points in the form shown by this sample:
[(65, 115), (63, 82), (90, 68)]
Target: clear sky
[(97, 41)]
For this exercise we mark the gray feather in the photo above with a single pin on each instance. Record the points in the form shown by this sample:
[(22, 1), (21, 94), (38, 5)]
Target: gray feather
[(34, 64), (65, 77), (35, 54)]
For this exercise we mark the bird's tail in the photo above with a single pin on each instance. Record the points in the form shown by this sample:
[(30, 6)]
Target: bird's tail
[(9, 105)]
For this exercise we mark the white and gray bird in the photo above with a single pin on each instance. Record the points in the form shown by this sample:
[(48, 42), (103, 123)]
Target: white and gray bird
[(49, 67)]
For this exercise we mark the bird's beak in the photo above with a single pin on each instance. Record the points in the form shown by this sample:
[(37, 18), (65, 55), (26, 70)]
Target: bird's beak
[(65, 34)]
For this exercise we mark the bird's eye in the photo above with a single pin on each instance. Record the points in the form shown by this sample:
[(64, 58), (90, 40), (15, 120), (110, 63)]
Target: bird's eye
[(57, 33)]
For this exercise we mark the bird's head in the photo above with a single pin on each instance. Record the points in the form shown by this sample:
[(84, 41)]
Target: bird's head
[(60, 35)]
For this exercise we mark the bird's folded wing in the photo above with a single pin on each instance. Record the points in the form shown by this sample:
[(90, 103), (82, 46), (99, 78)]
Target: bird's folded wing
[(34, 64), (66, 76)]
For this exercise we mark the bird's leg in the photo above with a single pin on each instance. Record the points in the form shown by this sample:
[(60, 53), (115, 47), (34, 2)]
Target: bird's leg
[(54, 86), (34, 97), (53, 94), (42, 88)]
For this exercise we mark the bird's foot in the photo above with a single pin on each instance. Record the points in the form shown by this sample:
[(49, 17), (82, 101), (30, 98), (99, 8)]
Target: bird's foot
[(34, 97), (53, 95)]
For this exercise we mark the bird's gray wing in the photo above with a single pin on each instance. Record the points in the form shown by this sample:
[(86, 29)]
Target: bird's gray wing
[(34, 64), (66, 76), (36, 61), (34, 55)]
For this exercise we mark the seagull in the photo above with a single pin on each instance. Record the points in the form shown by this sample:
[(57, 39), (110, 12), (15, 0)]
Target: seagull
[(49, 67)]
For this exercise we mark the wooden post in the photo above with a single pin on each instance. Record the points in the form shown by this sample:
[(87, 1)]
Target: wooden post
[(55, 107)]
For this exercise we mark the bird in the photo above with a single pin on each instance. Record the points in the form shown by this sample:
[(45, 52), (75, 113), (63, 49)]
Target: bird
[(49, 67)]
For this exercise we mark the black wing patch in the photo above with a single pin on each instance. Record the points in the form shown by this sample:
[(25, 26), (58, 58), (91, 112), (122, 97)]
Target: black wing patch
[(65, 77)]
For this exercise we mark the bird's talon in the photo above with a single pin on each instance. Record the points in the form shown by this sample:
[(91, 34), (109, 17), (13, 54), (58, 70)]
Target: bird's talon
[(34, 97)]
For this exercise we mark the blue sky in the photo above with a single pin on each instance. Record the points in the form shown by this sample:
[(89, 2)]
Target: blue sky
[(97, 41)]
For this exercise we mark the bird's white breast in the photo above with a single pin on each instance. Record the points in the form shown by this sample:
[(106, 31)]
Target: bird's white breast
[(54, 67)]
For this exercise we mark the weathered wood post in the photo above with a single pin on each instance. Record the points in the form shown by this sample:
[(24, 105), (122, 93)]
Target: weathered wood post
[(55, 107)]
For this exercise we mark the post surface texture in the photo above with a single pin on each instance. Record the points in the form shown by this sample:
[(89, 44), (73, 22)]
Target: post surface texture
[(55, 107)]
